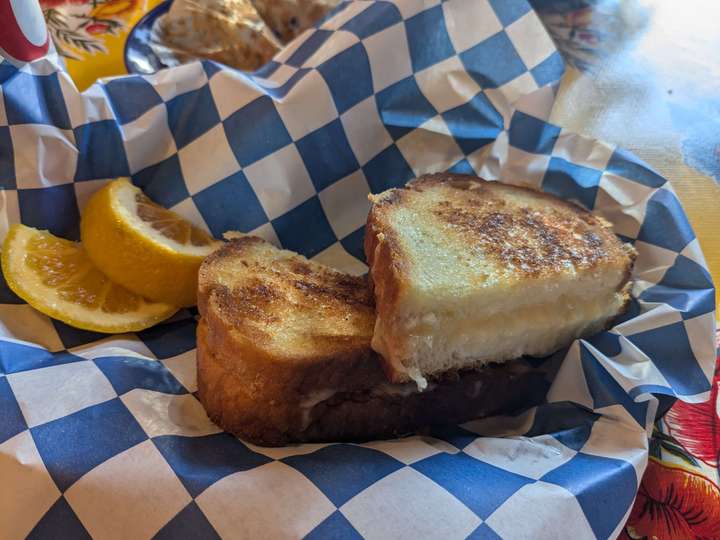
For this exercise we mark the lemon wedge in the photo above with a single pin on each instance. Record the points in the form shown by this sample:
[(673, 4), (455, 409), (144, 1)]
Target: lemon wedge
[(56, 277), (146, 248)]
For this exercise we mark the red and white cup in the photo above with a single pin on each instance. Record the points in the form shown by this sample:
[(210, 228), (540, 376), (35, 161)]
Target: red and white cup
[(23, 33)]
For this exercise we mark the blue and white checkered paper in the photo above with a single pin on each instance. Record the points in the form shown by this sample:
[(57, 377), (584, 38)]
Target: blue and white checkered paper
[(103, 436)]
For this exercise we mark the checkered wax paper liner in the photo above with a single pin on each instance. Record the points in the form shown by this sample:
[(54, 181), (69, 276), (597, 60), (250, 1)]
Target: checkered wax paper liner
[(103, 436)]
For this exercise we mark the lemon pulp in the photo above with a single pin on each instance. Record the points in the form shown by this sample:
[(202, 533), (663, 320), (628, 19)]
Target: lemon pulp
[(146, 248), (57, 277)]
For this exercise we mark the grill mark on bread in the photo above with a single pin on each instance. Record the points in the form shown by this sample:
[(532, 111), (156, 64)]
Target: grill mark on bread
[(530, 241), (250, 302), (592, 239), (274, 300), (298, 267), (337, 290), (387, 197)]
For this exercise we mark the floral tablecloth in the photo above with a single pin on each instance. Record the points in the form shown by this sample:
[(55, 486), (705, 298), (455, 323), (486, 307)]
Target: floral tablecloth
[(679, 496), (91, 34), (644, 74)]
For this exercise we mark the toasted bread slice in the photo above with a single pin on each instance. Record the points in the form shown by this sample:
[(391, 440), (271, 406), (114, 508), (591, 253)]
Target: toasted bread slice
[(284, 356), (467, 272), (283, 328), (293, 310)]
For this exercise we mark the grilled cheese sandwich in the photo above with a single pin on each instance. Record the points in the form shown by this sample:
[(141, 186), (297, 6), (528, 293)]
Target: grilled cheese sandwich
[(467, 272), (284, 356)]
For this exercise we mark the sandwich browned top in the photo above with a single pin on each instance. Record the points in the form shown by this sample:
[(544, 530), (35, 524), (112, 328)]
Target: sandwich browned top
[(513, 231), (249, 289)]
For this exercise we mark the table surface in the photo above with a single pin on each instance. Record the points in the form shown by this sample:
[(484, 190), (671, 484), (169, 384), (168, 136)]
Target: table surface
[(644, 74)]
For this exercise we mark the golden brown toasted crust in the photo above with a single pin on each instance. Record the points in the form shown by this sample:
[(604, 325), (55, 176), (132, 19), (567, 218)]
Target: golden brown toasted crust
[(385, 278), (533, 242), (249, 289), (259, 399), (252, 297)]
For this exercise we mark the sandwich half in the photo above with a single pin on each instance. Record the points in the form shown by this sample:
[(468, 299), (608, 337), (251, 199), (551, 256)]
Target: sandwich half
[(468, 272), (284, 356)]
